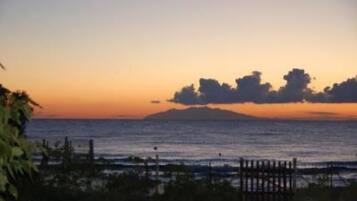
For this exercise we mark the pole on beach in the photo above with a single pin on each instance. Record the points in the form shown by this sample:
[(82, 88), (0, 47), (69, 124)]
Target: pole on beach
[(157, 169), (220, 159), (210, 172), (331, 174)]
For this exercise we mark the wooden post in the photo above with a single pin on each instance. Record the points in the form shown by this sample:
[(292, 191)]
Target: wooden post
[(294, 174), (157, 172), (70, 151), (157, 167), (44, 160), (274, 179), (263, 180), (146, 170), (279, 180), (268, 184), (331, 174), (241, 174), (246, 176), (65, 152), (284, 181), (91, 151), (209, 172), (290, 178), (257, 178), (252, 174)]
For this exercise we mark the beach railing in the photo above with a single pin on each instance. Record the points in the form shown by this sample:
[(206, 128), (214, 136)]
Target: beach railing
[(267, 180)]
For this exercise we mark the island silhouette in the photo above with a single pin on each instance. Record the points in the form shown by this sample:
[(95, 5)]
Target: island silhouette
[(199, 113)]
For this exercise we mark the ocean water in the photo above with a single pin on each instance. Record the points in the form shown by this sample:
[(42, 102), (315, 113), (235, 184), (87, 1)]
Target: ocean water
[(309, 141)]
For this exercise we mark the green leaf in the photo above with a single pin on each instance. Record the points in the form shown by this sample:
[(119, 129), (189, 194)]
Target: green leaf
[(5, 150), (3, 182), (10, 171), (16, 151), (13, 191)]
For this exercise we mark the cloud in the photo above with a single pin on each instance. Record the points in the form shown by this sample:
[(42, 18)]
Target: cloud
[(211, 91), (345, 92), (155, 102), (250, 88), (187, 96), (295, 89)]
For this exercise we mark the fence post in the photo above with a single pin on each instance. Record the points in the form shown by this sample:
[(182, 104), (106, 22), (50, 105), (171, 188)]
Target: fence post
[(331, 174), (259, 180), (70, 151), (268, 184), (210, 172), (252, 176), (290, 178), (285, 180), (294, 174), (44, 160), (65, 152), (91, 151), (157, 172), (157, 167), (146, 169), (246, 176), (274, 180), (241, 163), (279, 179)]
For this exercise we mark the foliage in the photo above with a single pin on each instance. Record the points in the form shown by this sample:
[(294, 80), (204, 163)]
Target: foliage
[(325, 193), (186, 187), (128, 186), (77, 182), (15, 151)]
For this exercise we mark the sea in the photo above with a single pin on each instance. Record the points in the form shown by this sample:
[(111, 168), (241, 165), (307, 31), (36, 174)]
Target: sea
[(206, 141)]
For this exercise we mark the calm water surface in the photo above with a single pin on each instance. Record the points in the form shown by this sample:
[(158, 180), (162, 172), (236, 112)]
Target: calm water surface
[(203, 140)]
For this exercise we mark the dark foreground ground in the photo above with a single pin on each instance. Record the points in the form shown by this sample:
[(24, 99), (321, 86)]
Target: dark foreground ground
[(66, 176), (86, 183)]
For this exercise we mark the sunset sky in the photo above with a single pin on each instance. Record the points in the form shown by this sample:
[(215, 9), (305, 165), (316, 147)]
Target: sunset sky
[(112, 58)]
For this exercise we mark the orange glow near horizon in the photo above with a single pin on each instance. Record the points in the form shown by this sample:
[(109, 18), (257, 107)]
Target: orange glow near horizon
[(110, 59), (304, 111)]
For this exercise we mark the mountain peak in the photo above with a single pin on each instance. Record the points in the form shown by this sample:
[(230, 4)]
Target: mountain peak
[(199, 113)]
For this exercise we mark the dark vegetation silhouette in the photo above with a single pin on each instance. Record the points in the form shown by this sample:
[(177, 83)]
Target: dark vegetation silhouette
[(15, 151), (80, 180)]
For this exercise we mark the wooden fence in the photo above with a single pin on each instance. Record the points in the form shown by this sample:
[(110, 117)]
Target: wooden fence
[(267, 180), (257, 179)]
